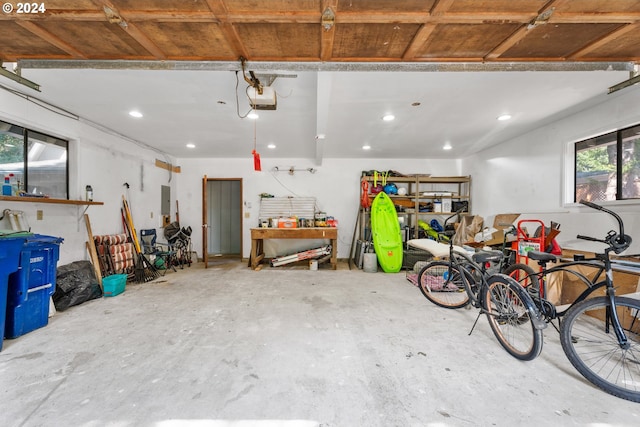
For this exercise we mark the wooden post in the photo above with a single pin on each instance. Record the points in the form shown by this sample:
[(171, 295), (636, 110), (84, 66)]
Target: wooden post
[(93, 254)]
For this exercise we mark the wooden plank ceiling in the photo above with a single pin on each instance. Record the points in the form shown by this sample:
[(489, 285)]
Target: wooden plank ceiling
[(352, 31)]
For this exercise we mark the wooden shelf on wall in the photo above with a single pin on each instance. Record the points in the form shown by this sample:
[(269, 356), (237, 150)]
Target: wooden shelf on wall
[(47, 200)]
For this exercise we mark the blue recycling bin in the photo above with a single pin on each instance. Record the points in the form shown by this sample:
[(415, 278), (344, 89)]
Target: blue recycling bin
[(31, 286), (10, 245)]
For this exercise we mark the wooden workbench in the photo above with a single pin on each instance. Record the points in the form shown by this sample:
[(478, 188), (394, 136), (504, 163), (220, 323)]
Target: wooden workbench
[(258, 235)]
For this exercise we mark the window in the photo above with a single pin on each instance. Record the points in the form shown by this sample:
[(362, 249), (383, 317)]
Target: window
[(608, 166), (36, 163)]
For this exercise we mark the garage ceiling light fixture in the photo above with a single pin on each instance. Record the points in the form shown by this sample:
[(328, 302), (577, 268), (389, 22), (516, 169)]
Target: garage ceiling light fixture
[(504, 117), (388, 117), (135, 113)]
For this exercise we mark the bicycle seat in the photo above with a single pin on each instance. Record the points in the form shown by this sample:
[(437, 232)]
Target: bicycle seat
[(542, 256), (486, 256)]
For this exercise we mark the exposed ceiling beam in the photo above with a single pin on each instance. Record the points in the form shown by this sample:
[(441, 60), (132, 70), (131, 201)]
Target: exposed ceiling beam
[(50, 38), (327, 35), (270, 66), (418, 41), (604, 40), (441, 7), (219, 8), (439, 15), (114, 16), (508, 43)]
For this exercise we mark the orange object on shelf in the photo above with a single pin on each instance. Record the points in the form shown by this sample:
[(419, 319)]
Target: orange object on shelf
[(287, 223)]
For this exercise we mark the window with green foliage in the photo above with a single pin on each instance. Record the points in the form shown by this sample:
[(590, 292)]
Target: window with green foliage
[(36, 164), (608, 166)]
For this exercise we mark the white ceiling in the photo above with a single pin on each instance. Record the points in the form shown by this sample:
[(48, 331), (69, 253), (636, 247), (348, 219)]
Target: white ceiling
[(346, 106)]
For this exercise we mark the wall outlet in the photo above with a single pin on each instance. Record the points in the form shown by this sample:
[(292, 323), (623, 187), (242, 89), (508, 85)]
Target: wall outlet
[(151, 214), (247, 214), (39, 215)]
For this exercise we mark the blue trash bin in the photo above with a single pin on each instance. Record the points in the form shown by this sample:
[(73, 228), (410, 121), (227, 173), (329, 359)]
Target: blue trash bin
[(10, 245), (31, 286)]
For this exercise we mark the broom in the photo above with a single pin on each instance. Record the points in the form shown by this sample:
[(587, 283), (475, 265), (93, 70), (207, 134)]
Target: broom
[(144, 269)]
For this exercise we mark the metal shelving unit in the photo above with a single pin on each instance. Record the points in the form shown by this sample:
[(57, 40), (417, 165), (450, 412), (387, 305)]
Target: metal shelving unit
[(423, 196)]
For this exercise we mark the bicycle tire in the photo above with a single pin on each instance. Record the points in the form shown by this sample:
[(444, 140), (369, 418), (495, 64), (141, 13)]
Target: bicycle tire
[(510, 311), (441, 283), (592, 347), (525, 275)]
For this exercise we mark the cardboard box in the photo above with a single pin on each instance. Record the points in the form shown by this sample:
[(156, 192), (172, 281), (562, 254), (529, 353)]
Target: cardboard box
[(287, 223), (501, 222)]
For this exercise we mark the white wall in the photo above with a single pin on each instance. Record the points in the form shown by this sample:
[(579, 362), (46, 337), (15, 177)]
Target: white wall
[(523, 175), (528, 174), (101, 159), (336, 186)]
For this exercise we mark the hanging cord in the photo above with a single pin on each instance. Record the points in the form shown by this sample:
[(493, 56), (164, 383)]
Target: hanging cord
[(256, 156)]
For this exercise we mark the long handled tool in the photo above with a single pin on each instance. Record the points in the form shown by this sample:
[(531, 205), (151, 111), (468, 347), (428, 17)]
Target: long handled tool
[(144, 269), (312, 253)]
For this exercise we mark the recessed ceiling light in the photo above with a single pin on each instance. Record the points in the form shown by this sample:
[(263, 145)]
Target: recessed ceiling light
[(447, 146), (253, 115), (388, 117), (504, 117), (191, 145), (135, 113), (272, 146), (366, 147)]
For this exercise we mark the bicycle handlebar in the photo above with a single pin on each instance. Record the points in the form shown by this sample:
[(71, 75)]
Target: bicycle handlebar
[(603, 209), (618, 242)]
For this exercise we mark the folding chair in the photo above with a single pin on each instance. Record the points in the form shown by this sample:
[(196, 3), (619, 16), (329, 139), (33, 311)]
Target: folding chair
[(165, 256), (179, 241)]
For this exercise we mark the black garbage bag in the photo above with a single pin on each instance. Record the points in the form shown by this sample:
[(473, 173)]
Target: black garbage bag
[(75, 284)]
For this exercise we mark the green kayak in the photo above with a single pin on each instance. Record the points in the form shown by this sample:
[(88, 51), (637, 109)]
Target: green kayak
[(385, 229)]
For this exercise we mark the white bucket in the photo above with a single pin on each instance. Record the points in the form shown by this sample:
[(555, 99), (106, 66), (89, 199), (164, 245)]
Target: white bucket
[(370, 263), (313, 264)]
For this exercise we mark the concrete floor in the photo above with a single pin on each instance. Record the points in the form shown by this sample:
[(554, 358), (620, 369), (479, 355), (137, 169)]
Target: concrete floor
[(228, 346)]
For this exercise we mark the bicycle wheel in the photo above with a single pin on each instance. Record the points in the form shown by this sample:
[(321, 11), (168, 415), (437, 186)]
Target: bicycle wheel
[(510, 310), (591, 345), (525, 276), (442, 284)]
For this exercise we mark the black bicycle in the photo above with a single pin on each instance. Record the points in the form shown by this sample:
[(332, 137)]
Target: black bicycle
[(599, 330), (465, 279)]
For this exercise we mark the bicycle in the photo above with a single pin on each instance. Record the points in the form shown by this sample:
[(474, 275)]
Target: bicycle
[(599, 334), (510, 310), (451, 293)]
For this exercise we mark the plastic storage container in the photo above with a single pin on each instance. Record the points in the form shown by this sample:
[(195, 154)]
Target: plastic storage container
[(114, 285), (30, 288), (10, 245)]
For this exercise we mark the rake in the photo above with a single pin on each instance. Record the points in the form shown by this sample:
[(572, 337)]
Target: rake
[(145, 271)]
